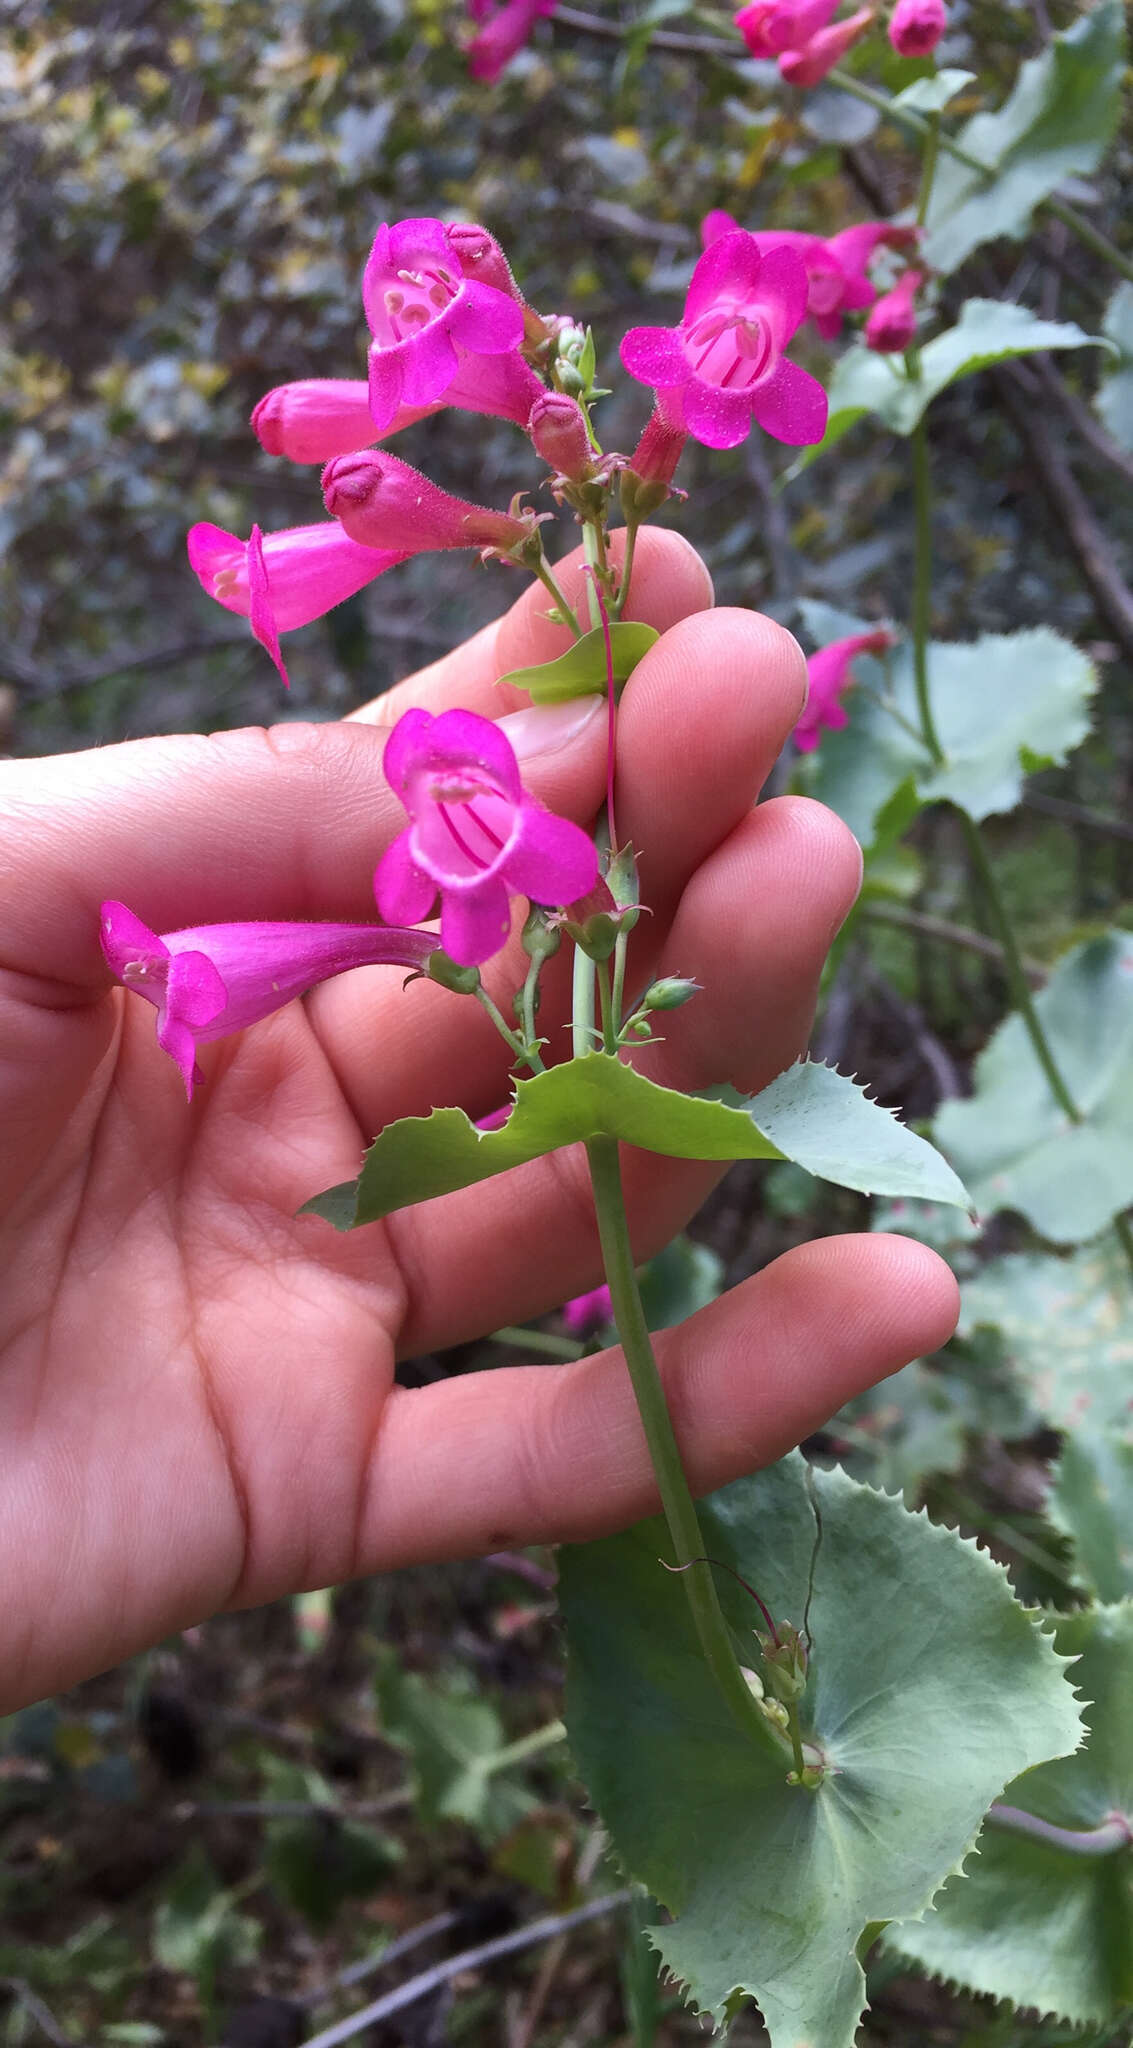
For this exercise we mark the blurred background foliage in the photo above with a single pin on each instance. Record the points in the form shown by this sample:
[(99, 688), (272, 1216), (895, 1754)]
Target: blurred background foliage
[(202, 1848)]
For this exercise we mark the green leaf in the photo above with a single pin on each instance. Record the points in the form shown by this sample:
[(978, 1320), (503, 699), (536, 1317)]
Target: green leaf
[(316, 1865), (581, 671), (929, 1688), (988, 331), (1055, 124), (810, 1114), (1013, 1144), (998, 702), (931, 94), (1033, 1923), (1114, 402), (1066, 1328), (680, 1280), (454, 1740), (1092, 1503)]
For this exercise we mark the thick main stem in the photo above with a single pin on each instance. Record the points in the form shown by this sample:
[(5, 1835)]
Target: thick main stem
[(677, 1501)]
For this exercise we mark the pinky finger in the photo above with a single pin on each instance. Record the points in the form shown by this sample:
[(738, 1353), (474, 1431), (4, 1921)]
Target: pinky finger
[(543, 1454)]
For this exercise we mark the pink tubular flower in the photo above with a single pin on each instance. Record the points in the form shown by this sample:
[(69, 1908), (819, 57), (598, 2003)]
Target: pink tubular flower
[(828, 676), (558, 434), (424, 314), (321, 417), (278, 581), (379, 499), (503, 33), (724, 365), (586, 1312), (917, 26), (474, 834), (769, 27), (213, 979), (893, 321), (837, 280), (810, 64)]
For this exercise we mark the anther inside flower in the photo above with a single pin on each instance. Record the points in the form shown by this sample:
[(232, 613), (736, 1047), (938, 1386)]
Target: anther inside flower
[(475, 835), (422, 310), (724, 365)]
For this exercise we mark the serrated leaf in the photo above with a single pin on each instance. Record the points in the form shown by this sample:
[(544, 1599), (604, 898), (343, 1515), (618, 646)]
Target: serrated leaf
[(931, 94), (810, 1114), (929, 1688), (1032, 1923), (997, 703), (1066, 1328), (1091, 1501), (988, 331), (581, 671), (1114, 402), (1013, 1144), (1055, 124)]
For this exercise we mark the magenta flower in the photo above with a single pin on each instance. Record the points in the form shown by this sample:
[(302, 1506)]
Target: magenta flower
[(425, 316), (724, 365), (917, 26), (278, 581), (810, 64), (558, 433), (213, 979), (474, 835), (829, 674), (382, 501), (503, 32), (837, 278), (893, 321), (587, 1312), (769, 27)]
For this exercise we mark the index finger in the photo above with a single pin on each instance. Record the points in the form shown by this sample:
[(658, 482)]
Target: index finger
[(669, 583)]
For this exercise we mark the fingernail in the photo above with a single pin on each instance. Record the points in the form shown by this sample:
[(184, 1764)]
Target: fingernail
[(544, 728)]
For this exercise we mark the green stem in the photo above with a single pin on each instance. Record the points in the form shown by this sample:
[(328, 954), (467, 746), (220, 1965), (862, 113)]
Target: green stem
[(618, 605), (527, 1056), (1124, 1236), (609, 1022), (582, 1005), (527, 1746), (1016, 974), (905, 117), (547, 578), (680, 1512), (545, 1341), (928, 168), (528, 998), (1109, 1839), (922, 586)]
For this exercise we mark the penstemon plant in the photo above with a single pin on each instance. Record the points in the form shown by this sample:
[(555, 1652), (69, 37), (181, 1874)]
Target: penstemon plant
[(786, 1787)]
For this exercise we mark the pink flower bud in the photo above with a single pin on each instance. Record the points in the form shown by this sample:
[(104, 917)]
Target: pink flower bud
[(917, 26), (893, 321), (829, 675), (770, 26), (375, 494), (481, 257), (810, 64), (503, 34), (659, 450), (319, 417), (558, 430)]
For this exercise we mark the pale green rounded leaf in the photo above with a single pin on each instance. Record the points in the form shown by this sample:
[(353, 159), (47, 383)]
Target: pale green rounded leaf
[(1032, 1923), (1091, 1501), (1066, 1328), (929, 1689), (582, 671), (1114, 402), (931, 94), (1014, 1146), (810, 1114), (1056, 122)]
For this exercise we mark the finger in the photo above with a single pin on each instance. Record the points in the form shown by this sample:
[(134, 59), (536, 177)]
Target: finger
[(753, 928), (537, 1454), (669, 582), (703, 719)]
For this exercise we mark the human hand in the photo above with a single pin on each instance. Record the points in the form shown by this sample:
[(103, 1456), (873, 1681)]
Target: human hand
[(197, 1403)]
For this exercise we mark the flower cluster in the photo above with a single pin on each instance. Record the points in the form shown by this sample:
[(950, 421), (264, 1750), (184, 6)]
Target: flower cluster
[(802, 34)]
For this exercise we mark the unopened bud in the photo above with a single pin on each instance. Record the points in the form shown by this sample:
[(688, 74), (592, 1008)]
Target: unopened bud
[(383, 503), (541, 939), (558, 430), (669, 993), (785, 1662)]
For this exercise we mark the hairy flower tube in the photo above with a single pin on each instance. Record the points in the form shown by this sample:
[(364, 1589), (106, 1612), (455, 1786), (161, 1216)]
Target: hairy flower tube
[(836, 265), (212, 979), (426, 317), (382, 501), (558, 433), (724, 365), (474, 834), (829, 675), (916, 27), (893, 321), (502, 34), (317, 418), (279, 581)]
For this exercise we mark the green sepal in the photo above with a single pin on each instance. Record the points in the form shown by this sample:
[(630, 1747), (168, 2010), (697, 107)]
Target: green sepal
[(810, 1114), (1030, 1922), (928, 1688), (582, 671)]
